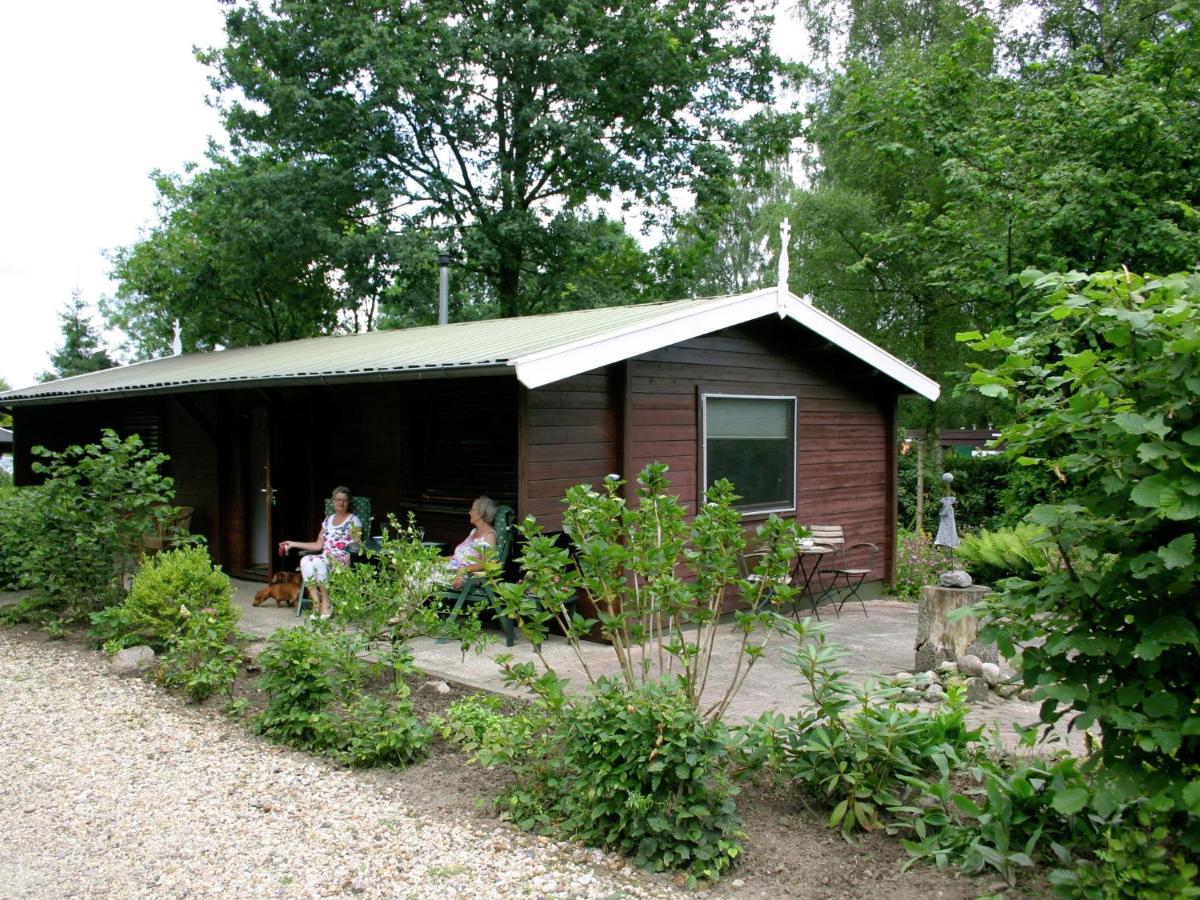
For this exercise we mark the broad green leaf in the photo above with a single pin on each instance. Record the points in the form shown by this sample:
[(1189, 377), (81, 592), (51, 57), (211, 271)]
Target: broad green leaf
[(1070, 801), (1180, 552)]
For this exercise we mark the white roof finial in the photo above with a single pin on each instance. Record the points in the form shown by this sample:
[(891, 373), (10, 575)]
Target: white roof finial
[(785, 233), (177, 341)]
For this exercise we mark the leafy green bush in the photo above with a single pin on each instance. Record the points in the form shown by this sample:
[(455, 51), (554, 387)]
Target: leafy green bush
[(300, 676), (20, 520), (470, 722), (1107, 381), (87, 520), (167, 590), (387, 602), (317, 699), (851, 749), (1133, 861), (202, 659), (636, 770), (918, 563), (658, 583)]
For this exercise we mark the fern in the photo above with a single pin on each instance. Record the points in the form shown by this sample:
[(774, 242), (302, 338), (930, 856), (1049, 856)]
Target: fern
[(1019, 551)]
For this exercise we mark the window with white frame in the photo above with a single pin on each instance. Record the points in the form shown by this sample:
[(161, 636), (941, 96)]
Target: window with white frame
[(752, 442)]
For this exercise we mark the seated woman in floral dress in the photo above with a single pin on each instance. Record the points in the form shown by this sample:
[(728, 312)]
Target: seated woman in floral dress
[(340, 535)]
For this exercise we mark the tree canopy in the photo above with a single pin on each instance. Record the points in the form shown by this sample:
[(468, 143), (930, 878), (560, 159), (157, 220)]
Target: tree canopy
[(487, 120), (250, 251)]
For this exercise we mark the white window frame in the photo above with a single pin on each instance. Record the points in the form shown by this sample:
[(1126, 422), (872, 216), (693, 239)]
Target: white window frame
[(704, 398)]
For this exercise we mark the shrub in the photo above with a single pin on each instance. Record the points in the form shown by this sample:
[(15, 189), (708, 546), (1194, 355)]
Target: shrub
[(202, 660), (86, 522), (300, 676), (1107, 381), (20, 521), (918, 563), (472, 721), (167, 590), (853, 746), (317, 699), (388, 601), (657, 582), (636, 770)]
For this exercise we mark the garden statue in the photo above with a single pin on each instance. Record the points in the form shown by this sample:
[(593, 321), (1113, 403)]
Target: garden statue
[(947, 536)]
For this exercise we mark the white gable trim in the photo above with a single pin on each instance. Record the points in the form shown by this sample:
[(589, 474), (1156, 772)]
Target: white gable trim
[(547, 366)]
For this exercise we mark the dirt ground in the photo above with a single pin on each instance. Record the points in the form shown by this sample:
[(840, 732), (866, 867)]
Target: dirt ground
[(789, 851)]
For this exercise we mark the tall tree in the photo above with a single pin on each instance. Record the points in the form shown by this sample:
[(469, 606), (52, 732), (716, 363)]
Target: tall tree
[(251, 251), (82, 350), (492, 117)]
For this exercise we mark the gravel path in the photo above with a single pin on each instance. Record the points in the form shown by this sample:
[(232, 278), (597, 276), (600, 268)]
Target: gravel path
[(111, 787)]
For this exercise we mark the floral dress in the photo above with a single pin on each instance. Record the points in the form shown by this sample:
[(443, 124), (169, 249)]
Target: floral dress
[(340, 541)]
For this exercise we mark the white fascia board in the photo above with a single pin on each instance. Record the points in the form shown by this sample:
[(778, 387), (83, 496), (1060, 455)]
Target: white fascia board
[(547, 366), (854, 343)]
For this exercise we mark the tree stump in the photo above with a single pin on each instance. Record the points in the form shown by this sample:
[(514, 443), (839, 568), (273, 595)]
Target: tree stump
[(941, 640)]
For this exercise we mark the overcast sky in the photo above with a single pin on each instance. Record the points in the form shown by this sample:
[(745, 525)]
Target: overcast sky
[(95, 97)]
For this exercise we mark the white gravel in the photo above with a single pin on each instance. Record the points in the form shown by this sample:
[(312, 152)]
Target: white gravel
[(109, 787)]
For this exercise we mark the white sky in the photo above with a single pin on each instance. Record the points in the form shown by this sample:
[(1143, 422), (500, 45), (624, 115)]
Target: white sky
[(96, 96)]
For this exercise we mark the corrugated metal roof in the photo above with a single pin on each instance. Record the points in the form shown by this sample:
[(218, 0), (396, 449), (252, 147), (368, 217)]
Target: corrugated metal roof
[(485, 344), (541, 349)]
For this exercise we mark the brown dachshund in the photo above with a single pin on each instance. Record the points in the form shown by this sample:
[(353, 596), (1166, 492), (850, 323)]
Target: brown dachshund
[(284, 589)]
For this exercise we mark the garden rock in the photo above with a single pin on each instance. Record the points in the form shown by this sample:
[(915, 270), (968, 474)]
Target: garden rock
[(970, 665), (935, 693), (940, 637), (439, 686), (132, 660), (1008, 690), (990, 673), (977, 690), (1028, 695), (923, 679), (947, 666), (955, 579)]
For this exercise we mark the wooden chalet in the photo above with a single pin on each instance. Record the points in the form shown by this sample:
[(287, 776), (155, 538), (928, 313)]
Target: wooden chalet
[(762, 387)]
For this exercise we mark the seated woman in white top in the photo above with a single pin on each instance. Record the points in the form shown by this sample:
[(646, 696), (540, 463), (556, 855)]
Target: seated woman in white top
[(469, 555)]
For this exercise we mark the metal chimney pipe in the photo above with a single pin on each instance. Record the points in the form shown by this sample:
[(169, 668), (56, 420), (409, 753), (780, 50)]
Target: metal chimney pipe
[(443, 288)]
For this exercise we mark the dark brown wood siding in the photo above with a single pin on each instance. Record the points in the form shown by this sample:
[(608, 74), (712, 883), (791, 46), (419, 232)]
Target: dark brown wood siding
[(572, 436), (844, 415)]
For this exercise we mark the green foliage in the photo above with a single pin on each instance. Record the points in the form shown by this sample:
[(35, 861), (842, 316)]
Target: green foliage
[(657, 582), (638, 771), (316, 682), (388, 600), (918, 563), (852, 748), (1133, 861), (20, 519), (81, 351), (475, 721), (168, 590), (250, 251), (1106, 379), (1020, 551), (87, 519), (203, 658), (1005, 817), (523, 100)]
